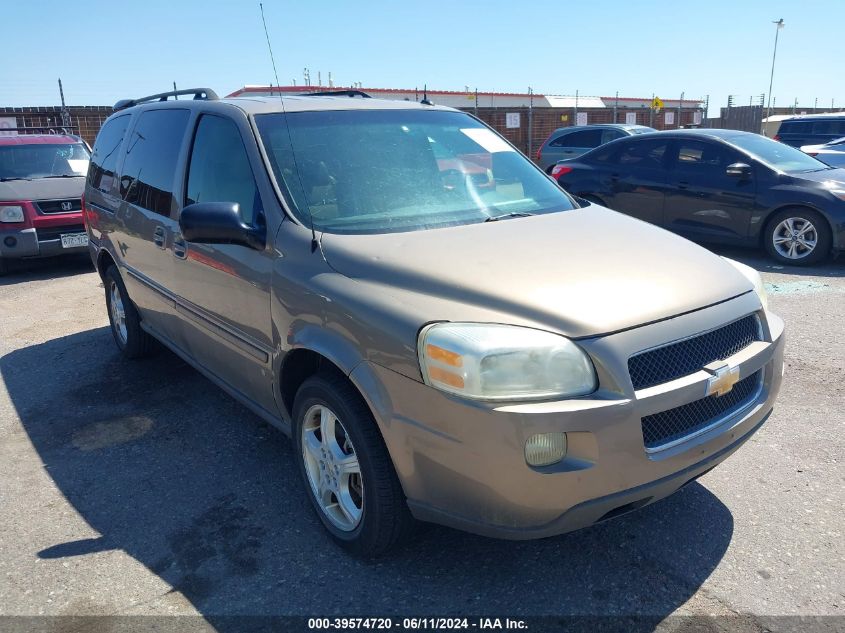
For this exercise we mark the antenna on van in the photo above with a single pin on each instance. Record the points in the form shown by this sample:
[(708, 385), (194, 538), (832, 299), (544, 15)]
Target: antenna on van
[(270, 48), (314, 242)]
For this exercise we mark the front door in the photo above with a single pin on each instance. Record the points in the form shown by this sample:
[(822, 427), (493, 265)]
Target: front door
[(223, 290), (702, 200)]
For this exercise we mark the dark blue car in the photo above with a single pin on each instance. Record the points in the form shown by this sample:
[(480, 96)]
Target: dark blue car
[(719, 186)]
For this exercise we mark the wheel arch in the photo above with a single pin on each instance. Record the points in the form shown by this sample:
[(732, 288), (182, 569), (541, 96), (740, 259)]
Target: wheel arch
[(104, 260), (763, 226)]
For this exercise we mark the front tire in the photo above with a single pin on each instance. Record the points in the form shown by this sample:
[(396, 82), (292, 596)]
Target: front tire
[(347, 471), (131, 339), (798, 237)]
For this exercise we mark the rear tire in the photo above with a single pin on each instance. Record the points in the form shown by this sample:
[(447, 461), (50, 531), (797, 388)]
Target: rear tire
[(798, 237), (131, 339), (348, 474)]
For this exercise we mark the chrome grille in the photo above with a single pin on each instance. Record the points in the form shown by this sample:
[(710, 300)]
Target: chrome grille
[(675, 360), (674, 424)]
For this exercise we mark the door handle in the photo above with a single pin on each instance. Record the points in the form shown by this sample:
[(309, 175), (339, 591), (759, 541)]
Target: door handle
[(159, 236), (180, 247)]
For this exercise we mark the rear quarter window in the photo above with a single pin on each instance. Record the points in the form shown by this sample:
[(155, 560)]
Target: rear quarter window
[(102, 171)]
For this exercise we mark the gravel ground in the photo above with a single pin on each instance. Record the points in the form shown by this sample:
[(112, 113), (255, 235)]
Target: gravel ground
[(132, 488)]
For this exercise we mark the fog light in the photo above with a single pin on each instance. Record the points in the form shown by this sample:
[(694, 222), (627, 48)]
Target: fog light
[(10, 241), (545, 449)]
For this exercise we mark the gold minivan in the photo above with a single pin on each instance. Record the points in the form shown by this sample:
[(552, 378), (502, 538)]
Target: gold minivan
[(446, 335)]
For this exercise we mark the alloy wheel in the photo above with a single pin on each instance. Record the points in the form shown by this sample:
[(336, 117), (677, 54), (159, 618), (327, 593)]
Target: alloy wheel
[(332, 467), (118, 314), (795, 238)]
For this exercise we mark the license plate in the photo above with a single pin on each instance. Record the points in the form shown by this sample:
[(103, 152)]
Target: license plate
[(74, 240)]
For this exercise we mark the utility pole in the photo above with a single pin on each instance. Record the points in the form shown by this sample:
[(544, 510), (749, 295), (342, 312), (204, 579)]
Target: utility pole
[(65, 113), (575, 122), (680, 111), (476, 102), (530, 121), (651, 112), (779, 26), (615, 106)]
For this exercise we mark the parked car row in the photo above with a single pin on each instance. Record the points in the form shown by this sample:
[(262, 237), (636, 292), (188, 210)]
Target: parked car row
[(445, 333), (718, 186)]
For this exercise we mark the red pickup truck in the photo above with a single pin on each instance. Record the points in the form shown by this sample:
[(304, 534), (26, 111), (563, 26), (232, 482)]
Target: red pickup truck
[(42, 177)]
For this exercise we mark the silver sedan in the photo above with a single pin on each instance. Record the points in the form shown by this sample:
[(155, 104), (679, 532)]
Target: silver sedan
[(832, 153)]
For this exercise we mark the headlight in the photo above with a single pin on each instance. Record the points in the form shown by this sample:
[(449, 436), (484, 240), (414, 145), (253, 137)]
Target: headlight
[(754, 277), (503, 362), (11, 213)]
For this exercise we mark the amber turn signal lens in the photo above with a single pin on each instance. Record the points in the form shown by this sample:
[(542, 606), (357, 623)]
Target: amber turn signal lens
[(443, 355), (446, 377)]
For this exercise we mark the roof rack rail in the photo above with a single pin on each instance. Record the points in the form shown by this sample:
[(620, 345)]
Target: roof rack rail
[(198, 93), (337, 93)]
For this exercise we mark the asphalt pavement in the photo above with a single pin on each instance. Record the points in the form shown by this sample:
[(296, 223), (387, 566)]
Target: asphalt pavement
[(139, 488)]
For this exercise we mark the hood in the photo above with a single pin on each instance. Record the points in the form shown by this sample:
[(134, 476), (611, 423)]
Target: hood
[(582, 272), (42, 188)]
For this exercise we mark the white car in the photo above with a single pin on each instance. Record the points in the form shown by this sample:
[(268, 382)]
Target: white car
[(832, 153)]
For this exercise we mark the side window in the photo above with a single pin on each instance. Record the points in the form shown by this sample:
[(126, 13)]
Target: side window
[(703, 157), (584, 138), (796, 127), (610, 135), (646, 154), (831, 126), (560, 140), (219, 169), (151, 153), (101, 173)]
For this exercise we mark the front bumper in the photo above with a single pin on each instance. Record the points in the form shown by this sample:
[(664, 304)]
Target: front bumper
[(29, 243), (462, 463)]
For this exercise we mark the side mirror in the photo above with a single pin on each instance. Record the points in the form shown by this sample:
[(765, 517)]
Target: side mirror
[(739, 170), (219, 223)]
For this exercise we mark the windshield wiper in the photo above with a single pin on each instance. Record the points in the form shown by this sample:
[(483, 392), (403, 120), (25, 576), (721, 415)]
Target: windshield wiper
[(512, 214), (64, 176), (4, 179)]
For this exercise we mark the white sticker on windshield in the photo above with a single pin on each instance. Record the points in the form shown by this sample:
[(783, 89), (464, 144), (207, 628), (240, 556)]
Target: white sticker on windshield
[(487, 139), (78, 166)]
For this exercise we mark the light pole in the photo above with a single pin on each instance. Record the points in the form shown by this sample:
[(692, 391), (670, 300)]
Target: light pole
[(778, 27)]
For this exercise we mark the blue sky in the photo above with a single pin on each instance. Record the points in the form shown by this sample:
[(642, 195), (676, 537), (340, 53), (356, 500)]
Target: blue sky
[(638, 47)]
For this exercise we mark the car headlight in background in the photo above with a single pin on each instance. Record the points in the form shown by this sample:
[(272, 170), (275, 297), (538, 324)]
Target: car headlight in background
[(11, 213), (503, 362), (754, 277)]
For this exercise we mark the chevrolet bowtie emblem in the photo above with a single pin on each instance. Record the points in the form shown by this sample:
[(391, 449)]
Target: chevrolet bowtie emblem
[(723, 379)]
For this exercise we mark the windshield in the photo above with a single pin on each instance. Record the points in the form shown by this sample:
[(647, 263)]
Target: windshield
[(378, 171), (775, 154), (43, 160)]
